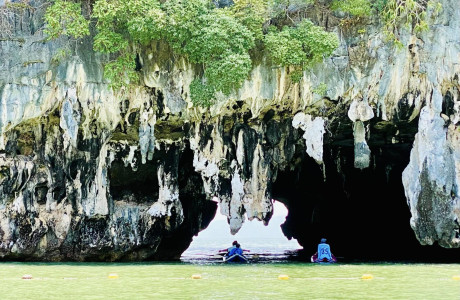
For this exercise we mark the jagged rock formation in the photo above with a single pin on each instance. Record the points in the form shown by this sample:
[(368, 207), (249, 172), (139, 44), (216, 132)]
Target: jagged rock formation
[(89, 174)]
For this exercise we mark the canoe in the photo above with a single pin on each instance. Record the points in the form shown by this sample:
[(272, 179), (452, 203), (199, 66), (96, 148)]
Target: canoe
[(236, 258), (314, 259)]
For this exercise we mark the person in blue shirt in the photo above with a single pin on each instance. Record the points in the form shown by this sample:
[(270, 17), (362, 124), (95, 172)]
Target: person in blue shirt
[(236, 250), (233, 246), (227, 250), (324, 253)]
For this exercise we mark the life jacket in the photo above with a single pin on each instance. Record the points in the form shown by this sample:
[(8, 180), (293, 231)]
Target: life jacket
[(324, 251)]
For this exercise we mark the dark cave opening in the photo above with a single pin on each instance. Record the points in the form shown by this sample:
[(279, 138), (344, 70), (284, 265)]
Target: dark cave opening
[(139, 184), (198, 210), (133, 181), (363, 213)]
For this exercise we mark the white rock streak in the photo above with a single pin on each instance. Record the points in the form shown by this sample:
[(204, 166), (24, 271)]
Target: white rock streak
[(313, 134), (146, 134), (70, 118), (96, 202), (206, 159), (432, 176), (168, 199), (360, 111)]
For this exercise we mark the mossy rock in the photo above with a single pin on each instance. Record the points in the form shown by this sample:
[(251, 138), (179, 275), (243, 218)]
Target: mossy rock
[(171, 129)]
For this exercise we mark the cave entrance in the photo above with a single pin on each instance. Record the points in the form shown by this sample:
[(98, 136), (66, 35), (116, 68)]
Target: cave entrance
[(264, 242), (363, 213), (139, 184)]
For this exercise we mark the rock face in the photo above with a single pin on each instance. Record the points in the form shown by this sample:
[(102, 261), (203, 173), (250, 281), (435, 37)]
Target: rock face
[(89, 174)]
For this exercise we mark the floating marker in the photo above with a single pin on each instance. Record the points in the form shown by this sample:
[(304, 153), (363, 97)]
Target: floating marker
[(26, 276), (456, 277), (283, 277), (113, 276), (367, 276), (196, 276)]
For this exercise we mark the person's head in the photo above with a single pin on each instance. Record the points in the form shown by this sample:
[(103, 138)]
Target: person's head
[(323, 240), (237, 245), (234, 243)]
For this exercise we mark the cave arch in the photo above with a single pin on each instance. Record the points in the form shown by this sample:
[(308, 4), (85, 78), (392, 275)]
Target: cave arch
[(362, 213), (265, 242)]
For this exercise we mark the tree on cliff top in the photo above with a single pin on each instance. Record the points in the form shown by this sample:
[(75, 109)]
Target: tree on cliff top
[(218, 39)]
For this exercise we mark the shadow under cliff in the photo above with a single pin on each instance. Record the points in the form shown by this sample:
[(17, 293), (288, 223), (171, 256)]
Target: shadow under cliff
[(363, 213)]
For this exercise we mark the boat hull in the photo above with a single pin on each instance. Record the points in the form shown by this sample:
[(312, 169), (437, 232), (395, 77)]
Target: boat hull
[(236, 258), (314, 259)]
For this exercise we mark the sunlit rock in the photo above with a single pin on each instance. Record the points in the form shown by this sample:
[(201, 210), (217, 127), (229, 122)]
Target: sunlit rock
[(88, 173), (313, 136)]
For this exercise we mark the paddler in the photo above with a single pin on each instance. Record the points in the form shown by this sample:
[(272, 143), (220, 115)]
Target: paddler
[(324, 253)]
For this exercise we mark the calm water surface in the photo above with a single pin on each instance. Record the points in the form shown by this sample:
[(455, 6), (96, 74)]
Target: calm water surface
[(219, 281)]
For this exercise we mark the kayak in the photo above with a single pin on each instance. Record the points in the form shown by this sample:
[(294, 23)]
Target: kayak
[(314, 259), (236, 258)]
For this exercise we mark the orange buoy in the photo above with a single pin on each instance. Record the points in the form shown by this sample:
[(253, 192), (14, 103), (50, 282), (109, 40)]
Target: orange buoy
[(196, 276)]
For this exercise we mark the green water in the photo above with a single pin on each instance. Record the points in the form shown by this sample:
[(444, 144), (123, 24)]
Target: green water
[(252, 281)]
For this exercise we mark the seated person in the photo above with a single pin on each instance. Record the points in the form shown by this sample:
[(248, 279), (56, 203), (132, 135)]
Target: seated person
[(324, 253), (226, 251), (236, 250)]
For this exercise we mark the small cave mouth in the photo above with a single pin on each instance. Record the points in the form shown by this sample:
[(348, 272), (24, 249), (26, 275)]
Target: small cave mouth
[(140, 185), (40, 192)]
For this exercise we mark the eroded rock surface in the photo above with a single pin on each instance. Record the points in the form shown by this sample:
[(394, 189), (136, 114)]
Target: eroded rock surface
[(89, 174)]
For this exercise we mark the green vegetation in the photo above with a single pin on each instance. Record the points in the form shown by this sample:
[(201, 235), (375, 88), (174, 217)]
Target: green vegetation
[(355, 8), (201, 94), (65, 18), (379, 5), (300, 46), (280, 9), (252, 14), (411, 13), (219, 40), (320, 89)]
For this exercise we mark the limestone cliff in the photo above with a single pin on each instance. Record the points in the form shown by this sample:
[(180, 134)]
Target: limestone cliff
[(91, 174)]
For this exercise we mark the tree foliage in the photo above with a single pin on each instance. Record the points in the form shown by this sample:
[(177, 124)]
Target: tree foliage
[(65, 18), (411, 13), (201, 94), (218, 39), (252, 14), (136, 20), (300, 46), (230, 71)]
